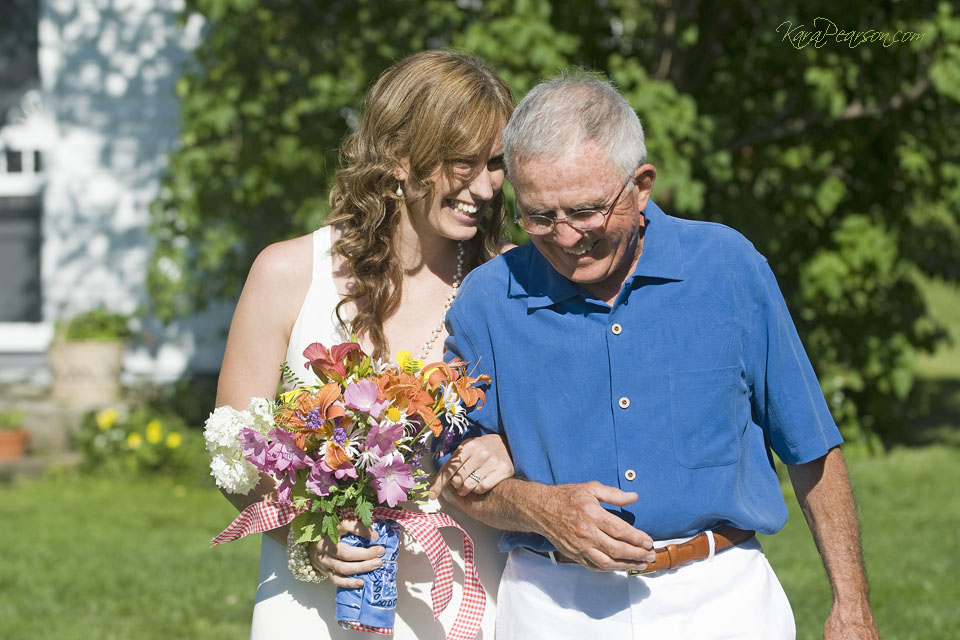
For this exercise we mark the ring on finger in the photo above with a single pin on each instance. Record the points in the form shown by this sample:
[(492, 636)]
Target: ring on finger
[(473, 476)]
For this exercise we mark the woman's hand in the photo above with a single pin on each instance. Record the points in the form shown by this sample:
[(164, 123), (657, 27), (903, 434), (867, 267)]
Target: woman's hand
[(477, 466), (341, 561)]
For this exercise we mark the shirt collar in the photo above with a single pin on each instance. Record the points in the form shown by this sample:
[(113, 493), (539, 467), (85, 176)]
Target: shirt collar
[(661, 258)]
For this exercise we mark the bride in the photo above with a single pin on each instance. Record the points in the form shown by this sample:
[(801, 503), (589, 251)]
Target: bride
[(415, 207)]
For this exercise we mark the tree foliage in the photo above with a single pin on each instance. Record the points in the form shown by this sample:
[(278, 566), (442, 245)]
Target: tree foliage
[(839, 160)]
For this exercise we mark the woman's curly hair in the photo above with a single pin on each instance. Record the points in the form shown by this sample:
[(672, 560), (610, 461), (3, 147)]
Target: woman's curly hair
[(431, 109)]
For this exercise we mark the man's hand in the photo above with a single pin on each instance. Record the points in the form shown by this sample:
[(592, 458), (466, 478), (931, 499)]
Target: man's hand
[(580, 528), (841, 627), (824, 493)]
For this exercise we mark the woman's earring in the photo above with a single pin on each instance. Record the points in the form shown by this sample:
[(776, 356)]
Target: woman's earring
[(399, 191)]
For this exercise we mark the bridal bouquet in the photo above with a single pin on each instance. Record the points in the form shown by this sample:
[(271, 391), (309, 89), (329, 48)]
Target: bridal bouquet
[(354, 443)]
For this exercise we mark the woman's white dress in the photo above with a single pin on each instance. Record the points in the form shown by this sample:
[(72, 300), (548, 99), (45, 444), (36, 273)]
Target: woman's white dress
[(285, 605)]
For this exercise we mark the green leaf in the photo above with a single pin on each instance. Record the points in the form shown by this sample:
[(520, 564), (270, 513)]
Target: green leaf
[(364, 511), (307, 527)]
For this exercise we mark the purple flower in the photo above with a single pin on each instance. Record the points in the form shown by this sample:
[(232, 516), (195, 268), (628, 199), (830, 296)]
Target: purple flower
[(346, 470), (447, 442), (284, 457), (320, 480), (391, 480), (254, 448), (382, 440), (314, 419), (362, 396), (284, 489)]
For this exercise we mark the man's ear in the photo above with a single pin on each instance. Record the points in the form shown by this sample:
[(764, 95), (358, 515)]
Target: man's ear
[(643, 179)]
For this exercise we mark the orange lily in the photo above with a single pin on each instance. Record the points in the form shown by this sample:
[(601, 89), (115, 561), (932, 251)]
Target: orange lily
[(406, 393), (437, 373), (465, 384), (335, 455)]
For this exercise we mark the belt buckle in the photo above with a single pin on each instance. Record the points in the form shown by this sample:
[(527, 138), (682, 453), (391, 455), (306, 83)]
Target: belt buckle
[(640, 572)]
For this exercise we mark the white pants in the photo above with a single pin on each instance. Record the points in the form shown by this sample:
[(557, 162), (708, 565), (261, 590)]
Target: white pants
[(734, 595)]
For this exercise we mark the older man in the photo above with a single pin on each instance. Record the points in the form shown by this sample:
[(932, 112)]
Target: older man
[(643, 369)]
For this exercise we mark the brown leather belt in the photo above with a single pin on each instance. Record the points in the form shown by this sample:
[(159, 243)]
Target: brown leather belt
[(676, 555)]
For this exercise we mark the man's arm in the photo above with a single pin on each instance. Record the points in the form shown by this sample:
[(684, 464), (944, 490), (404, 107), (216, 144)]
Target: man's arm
[(825, 496), (570, 516)]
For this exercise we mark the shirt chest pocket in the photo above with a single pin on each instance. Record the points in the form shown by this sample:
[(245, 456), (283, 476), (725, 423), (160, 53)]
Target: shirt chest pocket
[(705, 411)]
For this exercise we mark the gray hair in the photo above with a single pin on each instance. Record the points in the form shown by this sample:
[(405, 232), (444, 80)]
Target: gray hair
[(560, 114)]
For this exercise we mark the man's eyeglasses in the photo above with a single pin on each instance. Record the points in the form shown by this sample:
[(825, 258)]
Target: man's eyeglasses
[(582, 220)]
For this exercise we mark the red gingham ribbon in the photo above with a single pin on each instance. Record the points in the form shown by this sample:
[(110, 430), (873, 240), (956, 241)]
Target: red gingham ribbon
[(257, 518), (263, 516)]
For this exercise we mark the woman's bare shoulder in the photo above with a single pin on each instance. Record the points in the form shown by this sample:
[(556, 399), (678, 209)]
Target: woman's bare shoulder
[(281, 275), (286, 259)]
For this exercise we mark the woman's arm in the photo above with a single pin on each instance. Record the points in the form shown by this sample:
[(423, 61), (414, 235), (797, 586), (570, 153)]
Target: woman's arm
[(257, 343)]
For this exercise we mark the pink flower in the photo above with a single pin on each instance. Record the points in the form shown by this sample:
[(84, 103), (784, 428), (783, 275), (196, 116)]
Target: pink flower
[(321, 480), (332, 364), (283, 460), (254, 448), (362, 396), (284, 489), (346, 470), (392, 480), (382, 440)]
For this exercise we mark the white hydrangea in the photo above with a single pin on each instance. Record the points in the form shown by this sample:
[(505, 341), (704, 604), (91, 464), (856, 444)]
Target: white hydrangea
[(221, 428), (261, 410), (232, 475), (227, 466)]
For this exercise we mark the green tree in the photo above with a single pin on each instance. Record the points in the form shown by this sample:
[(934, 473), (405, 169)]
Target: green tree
[(838, 160)]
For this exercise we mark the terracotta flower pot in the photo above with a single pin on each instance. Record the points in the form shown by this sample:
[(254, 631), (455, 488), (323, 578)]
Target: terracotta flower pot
[(86, 374), (13, 443)]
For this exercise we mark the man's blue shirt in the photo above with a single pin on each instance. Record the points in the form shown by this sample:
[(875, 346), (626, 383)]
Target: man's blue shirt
[(678, 391)]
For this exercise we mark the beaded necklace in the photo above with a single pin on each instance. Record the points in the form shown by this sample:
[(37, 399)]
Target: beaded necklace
[(456, 287)]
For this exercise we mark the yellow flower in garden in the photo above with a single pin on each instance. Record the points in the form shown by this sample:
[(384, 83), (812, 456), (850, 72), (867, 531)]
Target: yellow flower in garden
[(154, 432), (106, 418), (174, 440), (393, 414), (407, 363), (134, 440)]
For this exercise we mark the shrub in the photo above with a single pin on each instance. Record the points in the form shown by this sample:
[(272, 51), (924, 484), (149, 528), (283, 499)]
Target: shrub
[(139, 440), (96, 324)]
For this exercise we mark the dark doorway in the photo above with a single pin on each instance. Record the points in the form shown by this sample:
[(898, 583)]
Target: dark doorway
[(20, 293)]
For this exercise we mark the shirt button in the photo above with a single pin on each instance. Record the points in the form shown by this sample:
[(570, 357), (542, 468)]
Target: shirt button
[(630, 474), (616, 329), (624, 402)]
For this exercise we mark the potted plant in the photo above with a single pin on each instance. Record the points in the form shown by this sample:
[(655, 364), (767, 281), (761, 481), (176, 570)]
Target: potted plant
[(86, 357), (13, 437)]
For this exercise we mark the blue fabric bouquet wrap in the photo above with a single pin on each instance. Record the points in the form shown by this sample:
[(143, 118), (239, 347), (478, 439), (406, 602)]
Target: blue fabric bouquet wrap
[(373, 605)]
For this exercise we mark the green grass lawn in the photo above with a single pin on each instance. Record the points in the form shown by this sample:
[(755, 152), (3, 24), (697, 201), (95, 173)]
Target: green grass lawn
[(910, 517), (89, 558)]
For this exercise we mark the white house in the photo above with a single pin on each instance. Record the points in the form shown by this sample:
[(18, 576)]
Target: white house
[(87, 117)]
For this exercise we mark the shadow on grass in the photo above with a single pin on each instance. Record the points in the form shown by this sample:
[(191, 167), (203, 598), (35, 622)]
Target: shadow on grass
[(934, 416)]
